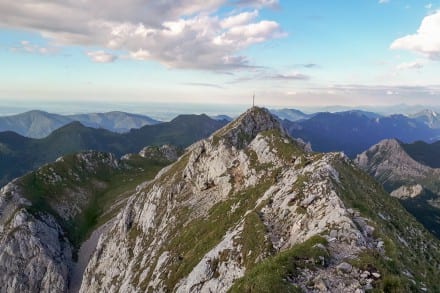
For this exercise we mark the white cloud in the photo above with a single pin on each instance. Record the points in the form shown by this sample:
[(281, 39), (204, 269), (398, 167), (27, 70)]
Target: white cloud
[(428, 6), (239, 19), (101, 56), (383, 1), (178, 33), (410, 65), (426, 41), (258, 3)]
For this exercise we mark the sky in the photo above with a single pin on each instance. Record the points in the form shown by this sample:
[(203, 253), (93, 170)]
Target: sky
[(220, 52)]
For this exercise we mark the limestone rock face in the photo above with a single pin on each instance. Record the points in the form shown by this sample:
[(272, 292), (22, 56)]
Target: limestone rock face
[(34, 254), (166, 152), (405, 191), (388, 162)]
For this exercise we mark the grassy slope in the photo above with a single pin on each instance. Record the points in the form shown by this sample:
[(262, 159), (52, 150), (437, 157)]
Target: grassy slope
[(408, 245)]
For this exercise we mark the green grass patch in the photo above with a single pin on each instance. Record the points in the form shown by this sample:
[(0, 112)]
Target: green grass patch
[(271, 274), (253, 240), (199, 236)]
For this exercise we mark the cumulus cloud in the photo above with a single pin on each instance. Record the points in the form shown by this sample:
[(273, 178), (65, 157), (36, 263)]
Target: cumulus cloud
[(101, 56), (426, 41), (178, 33)]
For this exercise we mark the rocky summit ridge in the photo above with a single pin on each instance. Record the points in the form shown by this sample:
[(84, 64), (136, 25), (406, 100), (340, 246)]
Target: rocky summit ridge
[(248, 209)]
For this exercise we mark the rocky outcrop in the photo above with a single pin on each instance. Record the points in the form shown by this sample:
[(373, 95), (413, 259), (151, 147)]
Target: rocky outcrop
[(166, 152), (35, 256), (406, 191), (388, 162)]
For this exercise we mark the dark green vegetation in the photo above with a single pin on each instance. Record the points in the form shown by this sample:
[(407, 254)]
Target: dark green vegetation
[(408, 246), (355, 131), (272, 274), (425, 153), (427, 214), (19, 154), (83, 191)]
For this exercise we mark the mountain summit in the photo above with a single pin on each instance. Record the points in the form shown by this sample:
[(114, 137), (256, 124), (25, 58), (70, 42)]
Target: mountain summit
[(243, 129)]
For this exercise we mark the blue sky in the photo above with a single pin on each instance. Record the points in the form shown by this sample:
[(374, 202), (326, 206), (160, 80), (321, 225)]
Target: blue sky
[(290, 53)]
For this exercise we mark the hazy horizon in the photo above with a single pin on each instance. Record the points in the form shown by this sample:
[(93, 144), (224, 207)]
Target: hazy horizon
[(167, 111)]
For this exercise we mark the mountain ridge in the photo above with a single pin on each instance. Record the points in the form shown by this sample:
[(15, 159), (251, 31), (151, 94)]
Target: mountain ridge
[(21, 154), (239, 185)]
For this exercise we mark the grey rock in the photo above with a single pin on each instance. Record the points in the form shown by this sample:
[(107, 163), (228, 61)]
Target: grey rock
[(344, 267)]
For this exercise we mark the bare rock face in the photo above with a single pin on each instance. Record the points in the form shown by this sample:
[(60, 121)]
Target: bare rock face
[(406, 191), (166, 152), (401, 175), (388, 162), (247, 193), (34, 254)]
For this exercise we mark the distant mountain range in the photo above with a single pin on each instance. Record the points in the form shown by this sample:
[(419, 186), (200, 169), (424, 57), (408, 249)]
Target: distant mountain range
[(19, 154), (39, 124), (222, 117), (114, 121), (354, 131), (290, 114), (416, 184), (429, 117)]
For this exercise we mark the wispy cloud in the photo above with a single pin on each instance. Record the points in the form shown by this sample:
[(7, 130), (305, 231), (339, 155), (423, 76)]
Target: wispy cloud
[(266, 75), (28, 47), (203, 84), (307, 65), (410, 65), (289, 76), (383, 1), (101, 57)]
